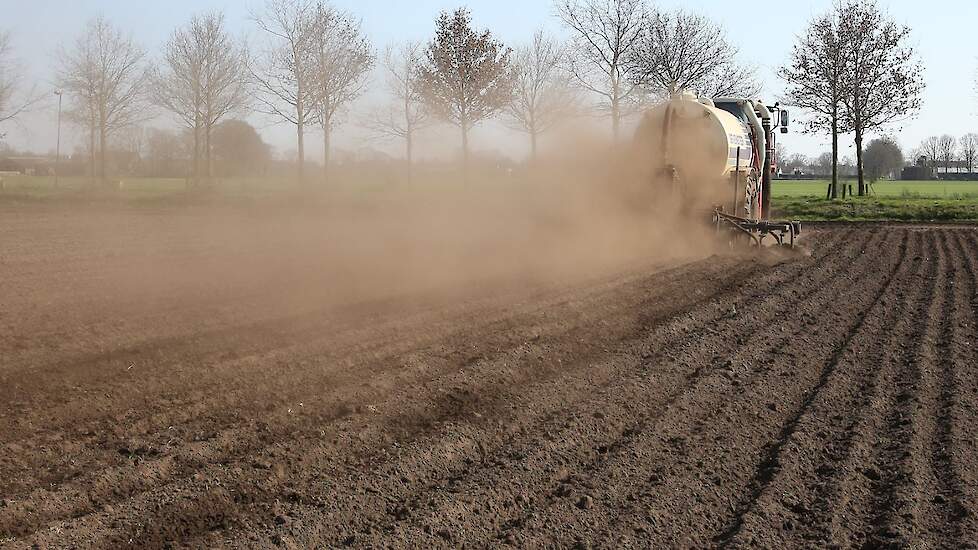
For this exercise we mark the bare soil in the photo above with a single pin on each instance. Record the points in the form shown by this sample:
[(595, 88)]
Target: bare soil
[(150, 397)]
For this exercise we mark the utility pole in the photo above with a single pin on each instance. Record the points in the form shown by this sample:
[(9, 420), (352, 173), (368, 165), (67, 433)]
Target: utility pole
[(57, 153)]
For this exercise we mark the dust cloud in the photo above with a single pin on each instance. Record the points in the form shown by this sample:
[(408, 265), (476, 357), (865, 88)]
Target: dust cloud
[(566, 218), (586, 211)]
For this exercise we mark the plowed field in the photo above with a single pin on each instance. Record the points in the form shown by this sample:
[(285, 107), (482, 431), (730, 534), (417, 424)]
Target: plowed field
[(727, 401)]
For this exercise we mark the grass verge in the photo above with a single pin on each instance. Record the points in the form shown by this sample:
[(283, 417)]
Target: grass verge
[(876, 209)]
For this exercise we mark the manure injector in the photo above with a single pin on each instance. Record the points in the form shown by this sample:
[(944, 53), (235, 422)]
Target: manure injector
[(719, 152)]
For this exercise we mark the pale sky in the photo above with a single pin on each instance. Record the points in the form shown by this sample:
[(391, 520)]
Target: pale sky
[(764, 30)]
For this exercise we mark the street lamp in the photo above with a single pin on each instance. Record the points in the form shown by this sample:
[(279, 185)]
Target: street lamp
[(57, 153)]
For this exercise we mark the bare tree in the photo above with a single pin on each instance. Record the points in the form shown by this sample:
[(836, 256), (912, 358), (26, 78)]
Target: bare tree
[(104, 76), (202, 79), (947, 147), (931, 149), (816, 82), (686, 51), (847, 166), (13, 100), (466, 76), (827, 162), (541, 91), (165, 156), (406, 114), (605, 32), (884, 77), (969, 149), (796, 161), (343, 58), (285, 72), (131, 139)]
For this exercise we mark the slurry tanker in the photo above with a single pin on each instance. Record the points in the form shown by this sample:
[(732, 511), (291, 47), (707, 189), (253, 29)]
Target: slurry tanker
[(718, 153)]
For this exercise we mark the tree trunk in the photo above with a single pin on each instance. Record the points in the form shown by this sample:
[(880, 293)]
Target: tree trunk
[(465, 152), (409, 153), (103, 135), (408, 128), (326, 137), (835, 155), (300, 123), (533, 145), (91, 153), (615, 107), (615, 118), (195, 167), (299, 128), (859, 161), (208, 157)]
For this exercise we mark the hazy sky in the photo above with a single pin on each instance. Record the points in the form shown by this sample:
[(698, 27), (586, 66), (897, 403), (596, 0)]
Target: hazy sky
[(942, 33)]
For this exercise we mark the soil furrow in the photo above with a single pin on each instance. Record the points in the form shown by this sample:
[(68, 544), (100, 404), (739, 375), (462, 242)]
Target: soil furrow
[(959, 419), (888, 511), (735, 401), (502, 384), (672, 441), (492, 471), (353, 344), (942, 498), (247, 441), (264, 441), (507, 381), (772, 459), (793, 500)]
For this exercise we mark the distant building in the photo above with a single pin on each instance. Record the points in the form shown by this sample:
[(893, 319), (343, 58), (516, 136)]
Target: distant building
[(926, 169), (922, 169), (27, 165), (918, 173)]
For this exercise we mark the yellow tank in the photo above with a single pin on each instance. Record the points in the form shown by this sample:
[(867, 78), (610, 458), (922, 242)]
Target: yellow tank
[(695, 139)]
